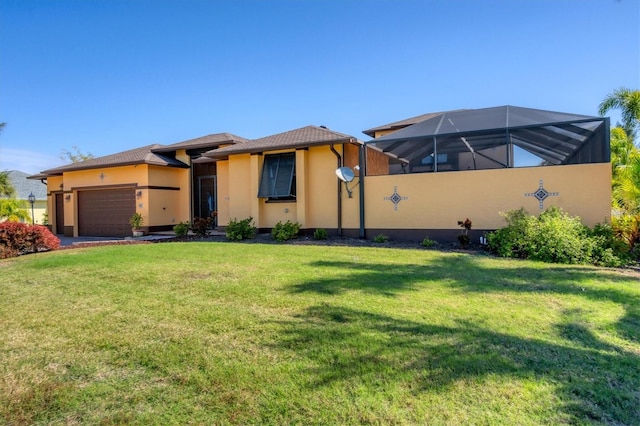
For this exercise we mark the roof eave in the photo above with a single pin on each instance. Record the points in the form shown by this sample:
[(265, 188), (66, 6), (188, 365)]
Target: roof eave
[(54, 172), (194, 146), (260, 149)]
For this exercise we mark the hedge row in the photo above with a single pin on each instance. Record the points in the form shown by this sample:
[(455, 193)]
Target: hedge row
[(18, 238)]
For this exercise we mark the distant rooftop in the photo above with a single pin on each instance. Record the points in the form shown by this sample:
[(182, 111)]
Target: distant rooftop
[(24, 186), (396, 125)]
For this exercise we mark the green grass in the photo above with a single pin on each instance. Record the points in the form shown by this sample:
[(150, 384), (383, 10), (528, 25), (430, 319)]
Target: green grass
[(223, 333)]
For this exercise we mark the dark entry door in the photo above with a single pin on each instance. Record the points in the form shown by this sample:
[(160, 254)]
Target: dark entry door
[(207, 196), (59, 213)]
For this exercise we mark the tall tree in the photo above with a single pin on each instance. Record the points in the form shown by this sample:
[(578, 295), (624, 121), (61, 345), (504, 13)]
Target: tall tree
[(625, 163), (628, 102), (6, 187), (76, 156)]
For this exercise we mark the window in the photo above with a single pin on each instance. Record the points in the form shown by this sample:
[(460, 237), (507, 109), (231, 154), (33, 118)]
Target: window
[(442, 158), (278, 177)]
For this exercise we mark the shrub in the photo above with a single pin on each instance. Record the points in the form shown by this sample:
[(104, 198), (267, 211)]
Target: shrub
[(320, 234), (609, 249), (380, 238), (287, 231), (464, 238), (428, 242), (555, 237), (17, 239), (181, 229), (238, 230), (627, 228), (201, 226), (136, 221)]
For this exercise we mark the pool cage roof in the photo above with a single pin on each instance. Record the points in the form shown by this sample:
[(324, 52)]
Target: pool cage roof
[(497, 137)]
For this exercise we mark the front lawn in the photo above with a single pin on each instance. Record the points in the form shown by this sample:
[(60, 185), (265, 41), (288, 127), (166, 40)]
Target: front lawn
[(224, 333)]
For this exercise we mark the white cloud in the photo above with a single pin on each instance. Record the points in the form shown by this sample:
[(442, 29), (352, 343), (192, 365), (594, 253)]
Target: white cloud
[(27, 161)]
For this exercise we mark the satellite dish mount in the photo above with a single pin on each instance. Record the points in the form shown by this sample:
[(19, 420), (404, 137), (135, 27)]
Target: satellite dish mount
[(346, 174)]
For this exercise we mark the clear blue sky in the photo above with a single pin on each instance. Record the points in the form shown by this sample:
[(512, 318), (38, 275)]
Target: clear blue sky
[(111, 75)]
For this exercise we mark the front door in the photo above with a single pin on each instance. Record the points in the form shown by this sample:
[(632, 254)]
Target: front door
[(207, 197), (59, 214)]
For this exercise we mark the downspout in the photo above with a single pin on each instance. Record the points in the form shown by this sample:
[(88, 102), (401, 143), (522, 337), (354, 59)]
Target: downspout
[(363, 169), (339, 191)]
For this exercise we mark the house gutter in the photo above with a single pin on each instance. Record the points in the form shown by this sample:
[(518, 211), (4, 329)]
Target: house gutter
[(339, 191), (362, 173)]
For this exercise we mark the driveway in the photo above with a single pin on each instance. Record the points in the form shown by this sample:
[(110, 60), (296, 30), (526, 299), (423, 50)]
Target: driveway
[(67, 241)]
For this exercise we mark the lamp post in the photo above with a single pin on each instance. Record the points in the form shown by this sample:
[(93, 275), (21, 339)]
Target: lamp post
[(32, 200)]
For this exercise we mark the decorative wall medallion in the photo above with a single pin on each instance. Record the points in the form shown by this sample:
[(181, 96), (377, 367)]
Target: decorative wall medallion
[(541, 194), (395, 198), (102, 176)]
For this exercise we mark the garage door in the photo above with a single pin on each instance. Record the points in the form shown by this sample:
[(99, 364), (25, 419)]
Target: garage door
[(106, 213)]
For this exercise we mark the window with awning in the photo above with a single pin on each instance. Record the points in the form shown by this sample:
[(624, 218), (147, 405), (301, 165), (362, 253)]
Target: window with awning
[(278, 177)]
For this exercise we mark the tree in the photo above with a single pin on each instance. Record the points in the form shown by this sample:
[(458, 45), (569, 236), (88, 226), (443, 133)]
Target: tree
[(628, 102), (6, 187), (76, 156), (13, 210), (622, 149)]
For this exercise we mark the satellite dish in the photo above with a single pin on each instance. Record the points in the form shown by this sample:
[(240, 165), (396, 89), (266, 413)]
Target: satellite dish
[(345, 174)]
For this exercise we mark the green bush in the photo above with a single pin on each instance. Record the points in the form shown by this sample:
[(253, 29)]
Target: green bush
[(428, 242), (181, 229), (627, 229), (285, 231), (320, 234), (609, 248), (556, 237), (380, 238), (238, 230)]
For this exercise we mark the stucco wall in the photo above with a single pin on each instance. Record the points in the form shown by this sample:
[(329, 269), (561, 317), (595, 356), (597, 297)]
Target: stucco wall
[(163, 200), (439, 200), (316, 204)]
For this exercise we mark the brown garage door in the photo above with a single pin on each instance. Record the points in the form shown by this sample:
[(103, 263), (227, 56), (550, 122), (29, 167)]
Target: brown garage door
[(106, 212)]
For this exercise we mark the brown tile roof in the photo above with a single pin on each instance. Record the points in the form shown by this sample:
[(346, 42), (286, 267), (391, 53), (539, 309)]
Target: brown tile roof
[(209, 141), (297, 138), (143, 155), (397, 125)]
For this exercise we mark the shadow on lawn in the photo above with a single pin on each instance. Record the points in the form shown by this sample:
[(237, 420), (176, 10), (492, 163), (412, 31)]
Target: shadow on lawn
[(469, 274), (367, 349), (598, 381)]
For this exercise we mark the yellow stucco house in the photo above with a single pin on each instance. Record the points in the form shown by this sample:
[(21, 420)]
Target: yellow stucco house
[(164, 183), (414, 178)]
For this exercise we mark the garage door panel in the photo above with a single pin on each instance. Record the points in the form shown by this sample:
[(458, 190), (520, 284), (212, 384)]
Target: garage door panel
[(106, 213)]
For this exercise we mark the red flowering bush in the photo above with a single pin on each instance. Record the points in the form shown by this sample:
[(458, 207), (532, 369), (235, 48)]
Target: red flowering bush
[(17, 239)]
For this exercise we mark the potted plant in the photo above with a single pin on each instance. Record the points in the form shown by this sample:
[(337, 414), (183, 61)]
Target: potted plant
[(136, 222)]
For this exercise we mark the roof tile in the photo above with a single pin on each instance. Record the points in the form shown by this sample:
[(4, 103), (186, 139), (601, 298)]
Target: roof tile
[(297, 138), (143, 155), (209, 141)]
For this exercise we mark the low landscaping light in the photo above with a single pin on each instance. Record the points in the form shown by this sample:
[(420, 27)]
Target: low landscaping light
[(32, 200)]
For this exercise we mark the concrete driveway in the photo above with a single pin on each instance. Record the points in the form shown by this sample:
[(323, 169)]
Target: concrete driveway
[(67, 241)]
